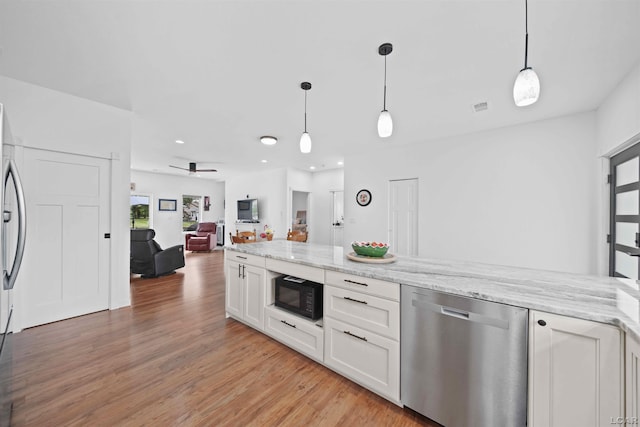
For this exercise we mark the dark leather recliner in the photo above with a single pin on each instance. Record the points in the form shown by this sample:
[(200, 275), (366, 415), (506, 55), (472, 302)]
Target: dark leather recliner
[(204, 239), (149, 259)]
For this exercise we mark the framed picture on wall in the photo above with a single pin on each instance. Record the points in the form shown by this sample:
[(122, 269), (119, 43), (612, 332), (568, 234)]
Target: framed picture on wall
[(167, 204)]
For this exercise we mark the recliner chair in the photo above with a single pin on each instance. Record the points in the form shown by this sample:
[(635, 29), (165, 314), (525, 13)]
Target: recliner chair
[(205, 238), (149, 259)]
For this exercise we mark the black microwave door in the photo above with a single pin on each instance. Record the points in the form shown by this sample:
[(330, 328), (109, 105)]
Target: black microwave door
[(289, 296)]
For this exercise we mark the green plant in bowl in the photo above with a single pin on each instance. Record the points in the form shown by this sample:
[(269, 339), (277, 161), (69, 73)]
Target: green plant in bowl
[(375, 250)]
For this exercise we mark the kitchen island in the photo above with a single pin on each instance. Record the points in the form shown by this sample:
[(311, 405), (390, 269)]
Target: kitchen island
[(583, 330), (607, 300)]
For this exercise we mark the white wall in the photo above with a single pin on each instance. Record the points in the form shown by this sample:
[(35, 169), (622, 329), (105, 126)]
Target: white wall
[(323, 183), (618, 118), (43, 118), (270, 188), (522, 196), (168, 224)]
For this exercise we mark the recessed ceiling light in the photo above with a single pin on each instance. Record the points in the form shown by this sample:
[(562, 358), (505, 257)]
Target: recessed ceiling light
[(268, 140), (263, 161), (178, 141), (340, 163), (312, 167)]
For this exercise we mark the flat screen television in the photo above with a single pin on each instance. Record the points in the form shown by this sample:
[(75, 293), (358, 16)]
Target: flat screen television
[(248, 210)]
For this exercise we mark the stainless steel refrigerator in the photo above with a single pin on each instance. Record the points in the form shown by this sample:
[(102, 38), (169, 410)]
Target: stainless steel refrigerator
[(12, 241)]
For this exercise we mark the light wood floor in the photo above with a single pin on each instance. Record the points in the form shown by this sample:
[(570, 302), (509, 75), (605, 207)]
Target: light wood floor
[(173, 359)]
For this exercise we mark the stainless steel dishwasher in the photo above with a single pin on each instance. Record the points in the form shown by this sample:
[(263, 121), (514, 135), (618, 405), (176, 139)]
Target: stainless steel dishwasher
[(463, 360)]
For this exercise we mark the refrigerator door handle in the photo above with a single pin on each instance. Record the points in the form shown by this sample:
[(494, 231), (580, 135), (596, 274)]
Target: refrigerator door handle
[(9, 278)]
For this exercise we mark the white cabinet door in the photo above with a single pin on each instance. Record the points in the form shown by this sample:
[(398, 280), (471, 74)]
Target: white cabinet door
[(366, 311), (365, 357), (575, 372), (300, 334), (234, 289), (254, 284), (632, 378)]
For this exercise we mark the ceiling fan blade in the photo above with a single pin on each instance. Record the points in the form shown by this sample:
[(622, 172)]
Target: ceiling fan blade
[(206, 170), (178, 167)]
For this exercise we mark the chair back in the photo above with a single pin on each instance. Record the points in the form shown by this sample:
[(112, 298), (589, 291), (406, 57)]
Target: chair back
[(205, 228), (297, 236), (243, 237), (143, 248)]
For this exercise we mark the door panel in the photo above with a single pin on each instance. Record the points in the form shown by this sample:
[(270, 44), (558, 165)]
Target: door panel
[(66, 264), (403, 217)]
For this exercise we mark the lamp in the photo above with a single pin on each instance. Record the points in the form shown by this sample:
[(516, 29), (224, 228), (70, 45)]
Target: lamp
[(385, 124), (305, 139), (526, 89), (268, 140)]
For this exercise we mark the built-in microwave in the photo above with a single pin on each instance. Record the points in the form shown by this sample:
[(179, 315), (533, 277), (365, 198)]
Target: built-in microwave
[(299, 296)]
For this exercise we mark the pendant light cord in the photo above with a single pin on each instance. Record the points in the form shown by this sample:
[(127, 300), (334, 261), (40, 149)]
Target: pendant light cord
[(384, 101), (305, 111), (526, 33)]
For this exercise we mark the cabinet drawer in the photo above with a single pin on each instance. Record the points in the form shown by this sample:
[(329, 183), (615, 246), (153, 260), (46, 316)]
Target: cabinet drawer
[(243, 258), (300, 334), (298, 270), (375, 287), (365, 357), (378, 315)]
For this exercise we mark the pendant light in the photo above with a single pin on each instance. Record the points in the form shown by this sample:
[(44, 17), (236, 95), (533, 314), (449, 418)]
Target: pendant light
[(305, 139), (385, 124), (526, 89)]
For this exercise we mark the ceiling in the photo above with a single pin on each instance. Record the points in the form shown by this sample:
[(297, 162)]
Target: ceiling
[(219, 74)]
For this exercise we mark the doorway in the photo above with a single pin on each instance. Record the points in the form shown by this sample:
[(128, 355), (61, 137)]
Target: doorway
[(624, 245), (337, 217), (299, 211), (67, 256), (403, 216)]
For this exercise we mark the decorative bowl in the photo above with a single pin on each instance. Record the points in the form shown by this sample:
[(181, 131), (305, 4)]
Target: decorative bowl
[(370, 249)]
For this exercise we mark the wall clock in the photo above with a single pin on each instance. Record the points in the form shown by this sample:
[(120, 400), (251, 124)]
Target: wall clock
[(363, 197)]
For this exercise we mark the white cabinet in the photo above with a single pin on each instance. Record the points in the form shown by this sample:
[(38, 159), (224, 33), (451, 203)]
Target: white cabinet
[(362, 331), (373, 313), (300, 334), (363, 356), (575, 372), (234, 292), (632, 378), (245, 288)]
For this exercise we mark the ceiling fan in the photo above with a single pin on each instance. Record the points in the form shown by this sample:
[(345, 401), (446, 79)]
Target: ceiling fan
[(193, 169)]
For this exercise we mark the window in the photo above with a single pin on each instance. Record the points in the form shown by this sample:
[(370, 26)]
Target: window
[(191, 212), (139, 216)]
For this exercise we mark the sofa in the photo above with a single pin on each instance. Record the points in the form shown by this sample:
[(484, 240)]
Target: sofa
[(204, 238)]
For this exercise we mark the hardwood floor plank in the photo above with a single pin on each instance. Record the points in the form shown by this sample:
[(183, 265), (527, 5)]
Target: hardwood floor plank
[(172, 358)]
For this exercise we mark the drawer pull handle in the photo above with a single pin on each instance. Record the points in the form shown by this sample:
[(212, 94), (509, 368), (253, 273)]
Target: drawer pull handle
[(288, 324), (355, 336), (355, 300), (241, 257), (355, 283)]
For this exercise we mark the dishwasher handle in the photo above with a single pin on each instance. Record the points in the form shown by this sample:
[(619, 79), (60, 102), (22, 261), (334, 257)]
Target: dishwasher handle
[(460, 314)]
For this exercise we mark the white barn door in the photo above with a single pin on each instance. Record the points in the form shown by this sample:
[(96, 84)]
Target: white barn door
[(66, 264), (403, 217)]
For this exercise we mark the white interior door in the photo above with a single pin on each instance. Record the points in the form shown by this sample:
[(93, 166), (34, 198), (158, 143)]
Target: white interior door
[(66, 264), (403, 217)]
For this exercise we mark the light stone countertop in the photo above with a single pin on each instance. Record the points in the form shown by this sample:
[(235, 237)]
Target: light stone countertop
[(602, 299)]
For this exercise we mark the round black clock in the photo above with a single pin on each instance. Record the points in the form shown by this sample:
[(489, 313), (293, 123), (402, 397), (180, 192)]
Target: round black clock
[(363, 197)]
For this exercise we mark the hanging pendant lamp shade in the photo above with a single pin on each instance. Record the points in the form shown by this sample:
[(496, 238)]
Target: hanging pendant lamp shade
[(385, 123), (526, 89), (305, 139)]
